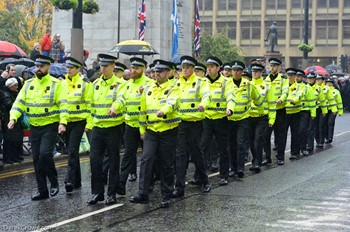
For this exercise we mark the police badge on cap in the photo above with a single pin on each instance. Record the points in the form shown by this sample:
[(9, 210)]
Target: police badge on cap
[(106, 59), (72, 63), (188, 60), (41, 60)]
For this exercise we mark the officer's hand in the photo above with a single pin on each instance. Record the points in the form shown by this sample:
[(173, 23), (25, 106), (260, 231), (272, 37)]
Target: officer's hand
[(87, 130), (201, 108), (142, 137), (11, 124), (278, 102), (111, 112), (270, 125), (160, 114), (228, 112), (61, 129)]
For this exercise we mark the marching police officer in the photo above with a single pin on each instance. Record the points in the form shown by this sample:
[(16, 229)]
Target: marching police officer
[(43, 100), (159, 122), (133, 92), (79, 104), (227, 70), (107, 106), (119, 71), (195, 97), (200, 70)]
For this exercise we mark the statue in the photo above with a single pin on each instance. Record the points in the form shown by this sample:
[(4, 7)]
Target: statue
[(272, 35)]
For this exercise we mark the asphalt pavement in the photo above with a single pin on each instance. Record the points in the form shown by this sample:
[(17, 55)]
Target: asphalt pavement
[(310, 194)]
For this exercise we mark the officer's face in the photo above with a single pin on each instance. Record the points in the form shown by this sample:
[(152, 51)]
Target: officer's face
[(107, 70), (291, 78), (42, 70), (311, 80), (329, 83), (274, 68), (236, 73), (119, 73), (256, 74), (136, 72), (199, 73), (213, 70), (162, 76), (72, 71), (319, 81), (227, 72), (299, 78), (187, 70)]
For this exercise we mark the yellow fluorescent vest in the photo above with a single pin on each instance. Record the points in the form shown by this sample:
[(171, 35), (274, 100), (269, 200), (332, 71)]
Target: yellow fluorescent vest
[(309, 99), (133, 92), (221, 98), (321, 98), (164, 97), (269, 102), (330, 101), (245, 97), (338, 100), (295, 94), (279, 87), (105, 95), (42, 100), (78, 99), (194, 92)]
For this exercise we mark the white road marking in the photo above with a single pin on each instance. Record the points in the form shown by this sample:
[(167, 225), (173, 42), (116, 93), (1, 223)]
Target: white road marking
[(78, 218)]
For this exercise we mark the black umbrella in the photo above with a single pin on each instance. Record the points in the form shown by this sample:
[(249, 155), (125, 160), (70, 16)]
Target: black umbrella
[(22, 61), (333, 67)]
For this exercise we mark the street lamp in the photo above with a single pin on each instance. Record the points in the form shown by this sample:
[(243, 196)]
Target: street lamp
[(77, 39), (306, 32)]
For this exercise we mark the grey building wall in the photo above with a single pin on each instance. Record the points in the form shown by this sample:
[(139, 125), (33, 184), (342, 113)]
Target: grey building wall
[(101, 29)]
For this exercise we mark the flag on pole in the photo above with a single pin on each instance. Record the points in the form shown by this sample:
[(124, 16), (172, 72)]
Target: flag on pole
[(142, 17), (175, 21), (197, 31)]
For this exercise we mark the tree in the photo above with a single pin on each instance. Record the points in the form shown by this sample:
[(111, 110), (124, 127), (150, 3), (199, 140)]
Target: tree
[(220, 46)]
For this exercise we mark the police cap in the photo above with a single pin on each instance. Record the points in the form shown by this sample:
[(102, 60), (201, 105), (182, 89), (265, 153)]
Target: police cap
[(137, 62), (245, 74), (257, 67), (226, 66), (311, 75), (172, 65), (41, 60), (119, 66), (291, 71), (72, 63), (236, 64), (330, 80), (201, 67), (275, 61), (300, 72), (188, 60), (106, 59), (319, 76), (161, 65), (151, 66), (213, 60)]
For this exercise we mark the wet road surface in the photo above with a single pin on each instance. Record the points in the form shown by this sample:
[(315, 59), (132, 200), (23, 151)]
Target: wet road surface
[(310, 194)]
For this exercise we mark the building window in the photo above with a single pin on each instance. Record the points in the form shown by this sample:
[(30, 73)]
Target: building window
[(208, 5), (327, 29), (346, 29), (346, 4), (251, 4), (222, 4), (333, 4), (296, 4), (276, 4), (250, 30), (246, 5), (207, 27), (281, 4), (232, 4), (270, 4), (297, 29), (227, 28), (322, 3)]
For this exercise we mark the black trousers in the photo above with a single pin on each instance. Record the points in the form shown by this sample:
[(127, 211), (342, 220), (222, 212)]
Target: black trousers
[(328, 128), (105, 139), (217, 128), (303, 128), (132, 140), (279, 127), (293, 121), (162, 145), (189, 139), (74, 132), (319, 122), (257, 127), (238, 139), (43, 140)]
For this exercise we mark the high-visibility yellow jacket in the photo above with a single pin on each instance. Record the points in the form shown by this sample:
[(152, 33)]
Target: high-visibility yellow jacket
[(279, 87), (133, 92), (164, 97), (309, 99), (221, 97), (330, 100), (321, 98), (105, 95), (193, 93), (245, 96), (269, 102), (338, 99), (295, 94), (79, 93), (42, 100)]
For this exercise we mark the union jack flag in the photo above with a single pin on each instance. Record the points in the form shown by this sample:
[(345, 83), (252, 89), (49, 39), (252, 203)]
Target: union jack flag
[(142, 17), (197, 31)]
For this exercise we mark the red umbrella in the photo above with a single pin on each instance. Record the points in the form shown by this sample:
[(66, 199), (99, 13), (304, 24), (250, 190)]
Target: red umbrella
[(8, 49), (317, 70)]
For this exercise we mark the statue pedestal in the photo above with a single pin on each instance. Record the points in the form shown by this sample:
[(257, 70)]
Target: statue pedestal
[(275, 54)]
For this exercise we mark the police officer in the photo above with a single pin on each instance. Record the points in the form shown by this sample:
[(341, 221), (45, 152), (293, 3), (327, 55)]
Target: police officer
[(43, 99), (132, 139), (308, 110), (159, 122), (227, 70), (107, 107), (245, 93), (216, 122), (279, 87), (79, 104), (260, 119), (119, 71), (195, 97), (200, 70)]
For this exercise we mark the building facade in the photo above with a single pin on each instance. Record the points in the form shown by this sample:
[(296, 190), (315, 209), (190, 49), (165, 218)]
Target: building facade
[(247, 23), (101, 29)]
